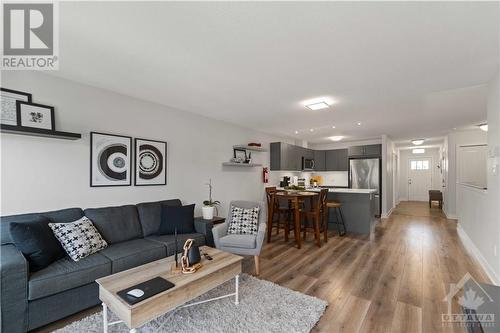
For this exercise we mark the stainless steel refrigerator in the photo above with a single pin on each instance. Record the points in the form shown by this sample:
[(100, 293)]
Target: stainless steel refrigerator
[(365, 174)]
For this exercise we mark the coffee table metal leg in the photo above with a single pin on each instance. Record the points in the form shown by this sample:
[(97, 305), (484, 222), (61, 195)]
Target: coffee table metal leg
[(105, 317), (237, 292)]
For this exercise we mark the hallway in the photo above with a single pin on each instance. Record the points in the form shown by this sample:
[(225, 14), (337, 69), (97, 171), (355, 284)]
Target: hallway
[(395, 283)]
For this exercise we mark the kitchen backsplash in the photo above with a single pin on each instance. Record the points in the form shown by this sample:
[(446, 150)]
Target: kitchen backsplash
[(330, 178)]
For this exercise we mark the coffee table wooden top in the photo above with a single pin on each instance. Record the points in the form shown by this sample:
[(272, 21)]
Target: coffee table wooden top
[(222, 268)]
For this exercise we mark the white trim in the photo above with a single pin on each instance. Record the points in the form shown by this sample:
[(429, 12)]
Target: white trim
[(450, 216), (474, 251), (384, 216)]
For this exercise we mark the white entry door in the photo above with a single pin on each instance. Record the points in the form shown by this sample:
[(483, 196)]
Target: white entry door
[(419, 178)]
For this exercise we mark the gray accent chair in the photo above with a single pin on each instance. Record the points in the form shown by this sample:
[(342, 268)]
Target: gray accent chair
[(247, 245)]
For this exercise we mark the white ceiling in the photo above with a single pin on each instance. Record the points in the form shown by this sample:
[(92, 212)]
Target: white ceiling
[(404, 69)]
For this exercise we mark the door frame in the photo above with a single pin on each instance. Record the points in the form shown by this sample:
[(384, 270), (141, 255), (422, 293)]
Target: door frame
[(408, 169)]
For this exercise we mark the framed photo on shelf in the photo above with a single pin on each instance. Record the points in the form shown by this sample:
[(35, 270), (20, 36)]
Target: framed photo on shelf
[(240, 155), (150, 162), (35, 115), (8, 99), (110, 160)]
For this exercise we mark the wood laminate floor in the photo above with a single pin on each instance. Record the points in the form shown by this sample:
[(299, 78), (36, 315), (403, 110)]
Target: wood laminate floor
[(395, 283)]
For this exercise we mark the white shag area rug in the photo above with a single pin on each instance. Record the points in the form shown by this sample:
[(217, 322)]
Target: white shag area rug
[(264, 307)]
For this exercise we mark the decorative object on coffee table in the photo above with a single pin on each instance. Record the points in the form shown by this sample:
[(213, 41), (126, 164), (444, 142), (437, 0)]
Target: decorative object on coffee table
[(110, 160), (35, 115), (150, 162), (209, 205), (175, 266), (8, 98), (190, 260)]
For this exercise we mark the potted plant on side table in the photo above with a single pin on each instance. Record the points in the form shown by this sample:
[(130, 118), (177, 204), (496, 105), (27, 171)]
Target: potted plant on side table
[(209, 205)]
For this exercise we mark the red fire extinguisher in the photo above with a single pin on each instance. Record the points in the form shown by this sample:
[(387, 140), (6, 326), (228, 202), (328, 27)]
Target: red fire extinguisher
[(265, 175)]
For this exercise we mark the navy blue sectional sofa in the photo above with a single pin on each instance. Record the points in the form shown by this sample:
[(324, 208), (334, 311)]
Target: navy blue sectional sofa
[(31, 300)]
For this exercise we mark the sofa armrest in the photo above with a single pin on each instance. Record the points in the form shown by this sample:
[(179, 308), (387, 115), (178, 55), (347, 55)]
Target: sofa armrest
[(204, 227), (14, 272)]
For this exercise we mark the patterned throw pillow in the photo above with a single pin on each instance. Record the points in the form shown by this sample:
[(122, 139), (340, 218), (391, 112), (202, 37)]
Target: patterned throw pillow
[(244, 221), (79, 238)]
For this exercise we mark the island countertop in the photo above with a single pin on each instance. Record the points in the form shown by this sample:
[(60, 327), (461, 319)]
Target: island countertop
[(340, 190)]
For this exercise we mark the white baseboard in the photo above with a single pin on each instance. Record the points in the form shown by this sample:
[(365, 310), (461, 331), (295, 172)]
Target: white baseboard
[(450, 216), (384, 216), (474, 251)]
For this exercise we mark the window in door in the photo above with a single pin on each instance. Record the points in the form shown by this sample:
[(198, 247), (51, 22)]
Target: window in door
[(419, 165)]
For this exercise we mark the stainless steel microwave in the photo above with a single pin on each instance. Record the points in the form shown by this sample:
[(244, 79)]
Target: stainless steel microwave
[(307, 164)]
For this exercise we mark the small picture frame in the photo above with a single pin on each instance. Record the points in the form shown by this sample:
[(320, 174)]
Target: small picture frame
[(35, 115), (240, 155), (8, 98)]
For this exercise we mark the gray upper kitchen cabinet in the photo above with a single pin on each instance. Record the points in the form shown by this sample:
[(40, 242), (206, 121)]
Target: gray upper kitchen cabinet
[(365, 151), (319, 160), (285, 156), (336, 160)]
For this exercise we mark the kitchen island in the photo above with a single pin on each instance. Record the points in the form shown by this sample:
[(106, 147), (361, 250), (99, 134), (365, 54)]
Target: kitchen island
[(358, 208)]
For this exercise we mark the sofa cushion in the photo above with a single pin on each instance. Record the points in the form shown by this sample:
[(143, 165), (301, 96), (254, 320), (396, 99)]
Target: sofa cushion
[(150, 215), (169, 241), (133, 253), (180, 218), (116, 224), (65, 274), (240, 241), (57, 216), (37, 242)]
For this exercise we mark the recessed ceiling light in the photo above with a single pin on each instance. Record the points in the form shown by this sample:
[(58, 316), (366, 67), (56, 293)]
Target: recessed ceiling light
[(417, 142), (484, 127), (317, 106), (418, 151), (318, 103), (296, 132), (336, 138), (311, 130), (333, 126), (359, 123)]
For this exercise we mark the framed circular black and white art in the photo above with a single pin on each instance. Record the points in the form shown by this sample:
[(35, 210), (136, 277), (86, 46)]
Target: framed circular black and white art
[(110, 160), (150, 162)]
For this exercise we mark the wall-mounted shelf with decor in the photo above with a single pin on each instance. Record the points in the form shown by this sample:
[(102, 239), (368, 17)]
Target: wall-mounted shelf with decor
[(252, 148), (241, 164), (39, 132)]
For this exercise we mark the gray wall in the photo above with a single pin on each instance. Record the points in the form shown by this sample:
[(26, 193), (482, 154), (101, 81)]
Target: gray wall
[(41, 174)]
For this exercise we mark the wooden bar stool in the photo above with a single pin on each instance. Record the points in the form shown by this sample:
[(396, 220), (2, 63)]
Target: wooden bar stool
[(316, 215), (339, 217), (275, 214)]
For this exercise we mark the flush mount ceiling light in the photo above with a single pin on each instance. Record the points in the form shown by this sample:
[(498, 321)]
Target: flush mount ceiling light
[(333, 126), (318, 103), (359, 123), (418, 151), (483, 127), (417, 142), (336, 137)]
